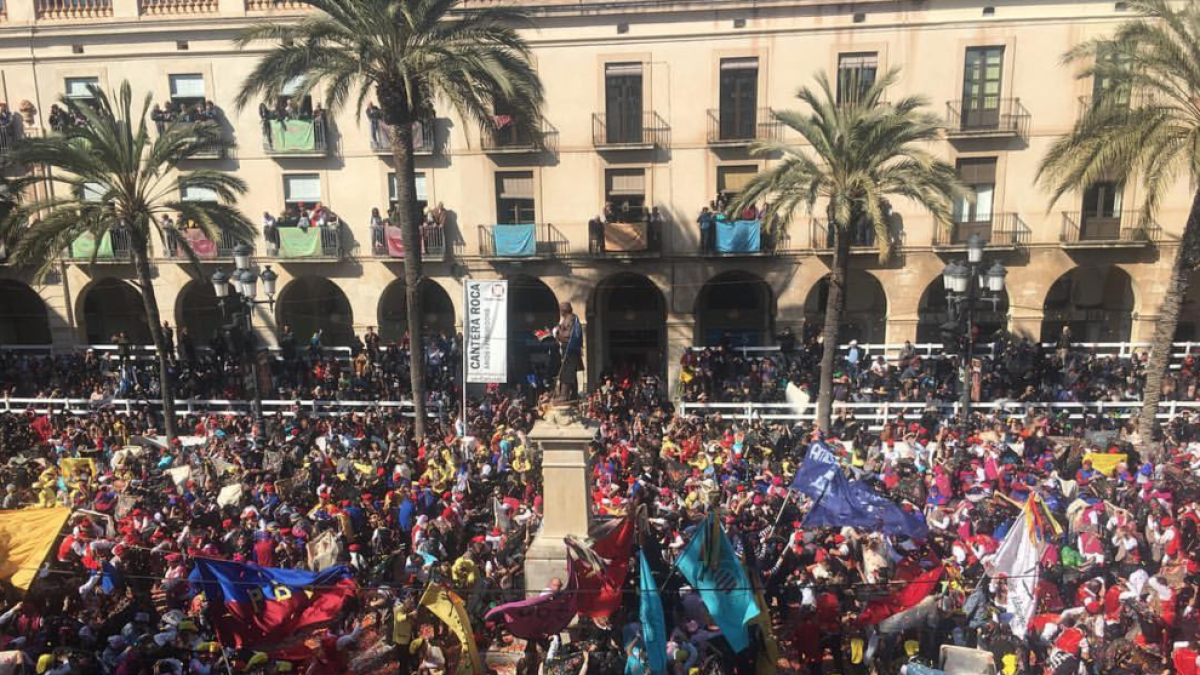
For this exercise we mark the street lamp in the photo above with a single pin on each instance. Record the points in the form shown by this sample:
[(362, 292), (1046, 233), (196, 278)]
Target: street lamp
[(237, 309), (966, 285)]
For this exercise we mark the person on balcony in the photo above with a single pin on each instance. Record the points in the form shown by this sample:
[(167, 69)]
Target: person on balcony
[(377, 232), (374, 116), (706, 222), (270, 230)]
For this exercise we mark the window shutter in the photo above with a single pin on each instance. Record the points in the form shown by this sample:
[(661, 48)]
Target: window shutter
[(622, 182), (734, 178), (93, 192), (977, 171), (749, 63), (77, 87), (199, 194), (622, 69), (518, 185), (422, 189), (304, 187), (187, 86)]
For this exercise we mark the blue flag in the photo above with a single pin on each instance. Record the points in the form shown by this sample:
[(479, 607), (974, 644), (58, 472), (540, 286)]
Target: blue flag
[(817, 469), (851, 503), (713, 569), (654, 625)]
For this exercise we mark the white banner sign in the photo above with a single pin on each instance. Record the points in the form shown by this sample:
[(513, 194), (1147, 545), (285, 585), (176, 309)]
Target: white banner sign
[(486, 348)]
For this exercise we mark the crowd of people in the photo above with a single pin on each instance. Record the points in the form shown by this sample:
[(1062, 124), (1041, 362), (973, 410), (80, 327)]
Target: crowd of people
[(208, 367), (1009, 368), (432, 230), (172, 111), (61, 118), (1117, 567), (628, 211)]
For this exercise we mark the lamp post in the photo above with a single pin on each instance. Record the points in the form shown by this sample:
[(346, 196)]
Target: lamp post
[(966, 286), (237, 308)]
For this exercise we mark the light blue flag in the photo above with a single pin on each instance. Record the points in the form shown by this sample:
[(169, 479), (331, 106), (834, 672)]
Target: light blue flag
[(713, 569), (654, 626)]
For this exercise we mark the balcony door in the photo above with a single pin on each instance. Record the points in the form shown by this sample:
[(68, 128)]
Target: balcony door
[(1102, 211), (739, 98), (973, 212), (623, 102), (982, 75)]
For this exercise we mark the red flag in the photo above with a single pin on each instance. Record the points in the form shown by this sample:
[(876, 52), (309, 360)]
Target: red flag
[(597, 584), (615, 543), (537, 617), (917, 585)]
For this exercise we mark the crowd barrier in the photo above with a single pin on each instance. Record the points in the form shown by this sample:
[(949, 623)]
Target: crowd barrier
[(874, 414), (183, 407), (1122, 349)]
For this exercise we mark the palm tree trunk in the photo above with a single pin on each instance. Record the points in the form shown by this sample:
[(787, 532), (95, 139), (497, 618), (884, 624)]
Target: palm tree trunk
[(406, 199), (835, 302), (1186, 261), (141, 262)]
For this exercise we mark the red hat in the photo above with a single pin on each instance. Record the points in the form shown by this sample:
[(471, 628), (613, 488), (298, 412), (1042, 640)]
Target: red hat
[(226, 524), (269, 487), (839, 539), (355, 547), (345, 503), (478, 540), (495, 532), (1167, 522)]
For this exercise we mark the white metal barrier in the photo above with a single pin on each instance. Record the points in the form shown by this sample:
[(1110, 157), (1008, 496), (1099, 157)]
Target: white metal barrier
[(271, 408), (874, 414)]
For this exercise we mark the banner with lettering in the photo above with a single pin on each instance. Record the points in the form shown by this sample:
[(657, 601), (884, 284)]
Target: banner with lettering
[(486, 341)]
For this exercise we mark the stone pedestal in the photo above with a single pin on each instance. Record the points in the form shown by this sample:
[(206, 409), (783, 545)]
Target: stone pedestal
[(563, 439)]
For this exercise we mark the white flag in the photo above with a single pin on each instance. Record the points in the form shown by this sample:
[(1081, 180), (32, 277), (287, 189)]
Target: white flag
[(1017, 560)]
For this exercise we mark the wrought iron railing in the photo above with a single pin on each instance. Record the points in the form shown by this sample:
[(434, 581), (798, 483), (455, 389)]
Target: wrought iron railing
[(513, 139), (759, 124), (424, 138), (633, 130), (266, 5), (433, 244), (1003, 229), (115, 246), (202, 246), (862, 237), (988, 116), (282, 137), (9, 135), (1119, 227), (548, 243), (329, 246)]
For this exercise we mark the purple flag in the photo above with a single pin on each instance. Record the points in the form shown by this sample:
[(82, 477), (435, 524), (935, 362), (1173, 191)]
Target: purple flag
[(538, 616)]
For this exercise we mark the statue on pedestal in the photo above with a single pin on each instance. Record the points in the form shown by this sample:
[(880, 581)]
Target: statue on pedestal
[(569, 335)]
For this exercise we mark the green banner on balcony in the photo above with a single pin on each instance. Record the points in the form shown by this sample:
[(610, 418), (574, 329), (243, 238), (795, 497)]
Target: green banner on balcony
[(297, 243), (294, 136), (84, 247)]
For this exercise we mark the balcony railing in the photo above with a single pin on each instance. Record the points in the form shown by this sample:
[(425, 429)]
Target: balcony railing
[(522, 242), (9, 135), (634, 237), (513, 140), (424, 138), (862, 239), (69, 10), (990, 117), (177, 7), (636, 131), (114, 247), (267, 5), (1122, 228), (202, 246), (387, 243), (305, 138), (1004, 230), (743, 238), (735, 130), (290, 242), (206, 153)]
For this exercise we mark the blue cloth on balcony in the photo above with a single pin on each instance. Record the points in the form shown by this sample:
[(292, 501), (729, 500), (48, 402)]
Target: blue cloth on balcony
[(515, 241), (739, 236)]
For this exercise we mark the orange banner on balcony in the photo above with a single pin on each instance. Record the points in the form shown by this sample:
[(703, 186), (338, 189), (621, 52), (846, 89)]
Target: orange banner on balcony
[(625, 237)]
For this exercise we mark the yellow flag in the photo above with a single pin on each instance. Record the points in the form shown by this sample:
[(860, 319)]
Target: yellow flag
[(26, 536), (1105, 462), (445, 605), (72, 465)]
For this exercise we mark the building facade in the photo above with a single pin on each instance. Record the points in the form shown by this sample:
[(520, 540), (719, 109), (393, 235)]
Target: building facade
[(650, 104)]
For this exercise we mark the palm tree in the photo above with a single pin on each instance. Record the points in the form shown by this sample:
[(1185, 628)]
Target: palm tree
[(407, 53), (120, 179), (1143, 125), (861, 154)]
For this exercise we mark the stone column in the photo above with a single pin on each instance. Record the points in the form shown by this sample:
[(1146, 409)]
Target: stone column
[(562, 438)]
